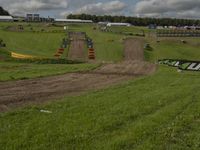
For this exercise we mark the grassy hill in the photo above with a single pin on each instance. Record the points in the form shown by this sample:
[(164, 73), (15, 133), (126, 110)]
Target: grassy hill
[(174, 48)]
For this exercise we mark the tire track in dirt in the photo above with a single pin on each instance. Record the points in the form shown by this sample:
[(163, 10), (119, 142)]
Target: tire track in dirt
[(133, 49), (76, 51), (25, 92)]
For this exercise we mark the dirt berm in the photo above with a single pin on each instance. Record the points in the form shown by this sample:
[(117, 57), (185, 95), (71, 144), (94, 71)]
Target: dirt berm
[(15, 94)]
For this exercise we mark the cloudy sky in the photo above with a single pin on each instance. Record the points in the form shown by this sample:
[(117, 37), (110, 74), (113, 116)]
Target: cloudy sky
[(142, 8)]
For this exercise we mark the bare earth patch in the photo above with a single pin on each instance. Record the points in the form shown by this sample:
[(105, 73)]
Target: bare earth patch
[(76, 51)]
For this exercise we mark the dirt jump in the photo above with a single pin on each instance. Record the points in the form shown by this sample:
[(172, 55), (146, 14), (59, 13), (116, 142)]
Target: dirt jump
[(15, 94), (76, 51)]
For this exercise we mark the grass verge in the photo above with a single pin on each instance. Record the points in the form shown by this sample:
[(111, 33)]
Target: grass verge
[(16, 71)]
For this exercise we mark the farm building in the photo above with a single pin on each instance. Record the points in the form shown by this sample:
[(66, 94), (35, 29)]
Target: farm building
[(73, 21), (118, 24), (6, 18), (152, 26), (33, 17)]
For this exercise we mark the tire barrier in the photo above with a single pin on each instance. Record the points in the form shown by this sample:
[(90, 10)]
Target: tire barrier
[(178, 33), (89, 42), (91, 53), (21, 56), (59, 52), (182, 64), (64, 43)]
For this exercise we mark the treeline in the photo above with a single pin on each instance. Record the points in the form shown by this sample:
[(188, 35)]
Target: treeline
[(136, 21), (3, 12)]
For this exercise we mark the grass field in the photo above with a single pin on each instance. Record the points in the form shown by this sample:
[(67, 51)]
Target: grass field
[(156, 112), (148, 113), (16, 71), (37, 44), (108, 46), (173, 48)]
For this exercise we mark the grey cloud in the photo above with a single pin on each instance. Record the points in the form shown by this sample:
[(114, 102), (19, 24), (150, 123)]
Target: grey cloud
[(102, 8), (169, 8), (22, 6)]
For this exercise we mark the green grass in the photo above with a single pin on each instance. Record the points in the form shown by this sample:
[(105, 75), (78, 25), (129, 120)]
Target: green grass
[(132, 29), (37, 44), (46, 44), (108, 46), (173, 48), (16, 71), (147, 113), (158, 112)]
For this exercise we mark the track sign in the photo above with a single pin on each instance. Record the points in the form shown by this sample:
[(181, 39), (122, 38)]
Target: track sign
[(182, 64)]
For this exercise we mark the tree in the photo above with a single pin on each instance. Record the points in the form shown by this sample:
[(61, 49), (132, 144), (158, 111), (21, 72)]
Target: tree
[(137, 21), (3, 12)]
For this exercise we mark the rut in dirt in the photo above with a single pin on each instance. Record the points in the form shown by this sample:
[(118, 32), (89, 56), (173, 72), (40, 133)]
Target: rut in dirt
[(15, 94)]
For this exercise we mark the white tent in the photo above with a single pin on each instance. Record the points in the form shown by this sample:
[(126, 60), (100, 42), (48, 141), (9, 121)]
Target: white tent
[(73, 21), (6, 18), (118, 24)]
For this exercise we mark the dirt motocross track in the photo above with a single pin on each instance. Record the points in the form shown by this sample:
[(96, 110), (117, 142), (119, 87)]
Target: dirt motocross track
[(76, 51), (20, 93)]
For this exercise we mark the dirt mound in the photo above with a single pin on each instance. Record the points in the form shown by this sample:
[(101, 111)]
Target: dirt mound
[(134, 49), (128, 68), (133, 63), (77, 46)]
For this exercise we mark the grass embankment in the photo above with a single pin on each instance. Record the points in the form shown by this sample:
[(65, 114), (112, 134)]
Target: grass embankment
[(148, 113), (173, 48), (37, 44), (16, 71)]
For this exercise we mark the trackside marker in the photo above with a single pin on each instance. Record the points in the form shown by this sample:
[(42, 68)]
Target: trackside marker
[(192, 66)]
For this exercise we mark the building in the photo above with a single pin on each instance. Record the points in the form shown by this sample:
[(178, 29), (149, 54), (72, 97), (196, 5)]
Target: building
[(103, 23), (73, 21), (152, 26), (19, 19), (33, 17), (43, 19), (119, 24), (6, 19)]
